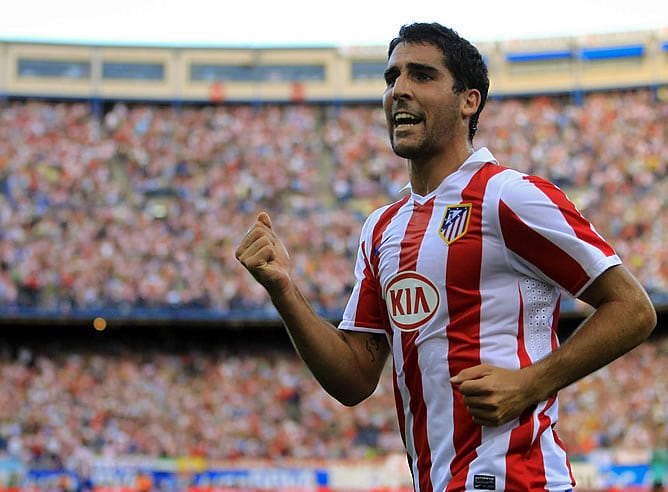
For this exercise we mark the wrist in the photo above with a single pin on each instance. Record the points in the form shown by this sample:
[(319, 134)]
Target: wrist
[(534, 391)]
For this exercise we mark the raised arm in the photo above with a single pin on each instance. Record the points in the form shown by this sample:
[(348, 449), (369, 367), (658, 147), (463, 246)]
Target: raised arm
[(347, 364)]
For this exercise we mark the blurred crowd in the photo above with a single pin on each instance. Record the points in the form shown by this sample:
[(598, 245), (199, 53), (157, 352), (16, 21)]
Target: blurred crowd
[(61, 406), (142, 206)]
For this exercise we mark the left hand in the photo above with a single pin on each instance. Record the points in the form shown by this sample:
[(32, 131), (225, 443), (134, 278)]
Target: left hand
[(493, 395)]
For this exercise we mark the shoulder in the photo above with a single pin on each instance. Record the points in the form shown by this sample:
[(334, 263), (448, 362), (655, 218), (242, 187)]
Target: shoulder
[(517, 187), (381, 216)]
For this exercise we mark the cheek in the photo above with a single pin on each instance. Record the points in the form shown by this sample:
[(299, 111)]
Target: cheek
[(387, 107)]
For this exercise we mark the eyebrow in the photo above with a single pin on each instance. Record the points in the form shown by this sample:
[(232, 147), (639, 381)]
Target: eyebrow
[(412, 67)]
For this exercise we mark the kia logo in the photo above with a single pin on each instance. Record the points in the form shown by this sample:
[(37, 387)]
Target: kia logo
[(412, 300)]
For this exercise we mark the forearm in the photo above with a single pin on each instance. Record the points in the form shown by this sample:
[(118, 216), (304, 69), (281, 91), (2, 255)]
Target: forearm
[(619, 323), (590, 348), (347, 365), (341, 368)]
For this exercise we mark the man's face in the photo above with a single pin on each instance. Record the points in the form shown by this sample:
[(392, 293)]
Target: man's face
[(422, 110)]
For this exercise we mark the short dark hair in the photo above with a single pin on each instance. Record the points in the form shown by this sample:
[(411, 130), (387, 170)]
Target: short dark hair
[(460, 57)]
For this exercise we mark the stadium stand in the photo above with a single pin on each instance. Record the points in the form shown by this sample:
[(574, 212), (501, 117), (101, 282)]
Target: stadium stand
[(73, 405), (137, 213)]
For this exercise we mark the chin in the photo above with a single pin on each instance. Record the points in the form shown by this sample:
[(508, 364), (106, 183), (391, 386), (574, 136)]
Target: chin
[(406, 151), (409, 146)]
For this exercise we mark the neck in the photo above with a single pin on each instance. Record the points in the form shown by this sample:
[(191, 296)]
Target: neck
[(427, 174)]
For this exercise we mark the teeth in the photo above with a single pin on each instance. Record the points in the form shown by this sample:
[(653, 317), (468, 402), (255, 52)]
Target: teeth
[(404, 119)]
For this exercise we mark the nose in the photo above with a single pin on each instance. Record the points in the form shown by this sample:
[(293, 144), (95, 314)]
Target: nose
[(401, 87)]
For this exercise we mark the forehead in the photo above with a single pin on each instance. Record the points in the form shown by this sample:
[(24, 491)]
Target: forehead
[(416, 53)]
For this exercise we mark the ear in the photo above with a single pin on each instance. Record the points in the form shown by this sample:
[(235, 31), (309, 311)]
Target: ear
[(470, 102)]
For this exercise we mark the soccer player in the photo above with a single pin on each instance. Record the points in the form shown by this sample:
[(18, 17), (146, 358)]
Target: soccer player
[(460, 282)]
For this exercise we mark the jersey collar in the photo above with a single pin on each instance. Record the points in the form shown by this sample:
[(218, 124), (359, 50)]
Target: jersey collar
[(480, 156)]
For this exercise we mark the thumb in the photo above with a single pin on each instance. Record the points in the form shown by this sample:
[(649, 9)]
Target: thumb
[(265, 219)]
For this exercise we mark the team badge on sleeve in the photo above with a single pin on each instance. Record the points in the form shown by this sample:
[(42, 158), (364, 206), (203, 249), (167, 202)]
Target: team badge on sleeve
[(455, 222)]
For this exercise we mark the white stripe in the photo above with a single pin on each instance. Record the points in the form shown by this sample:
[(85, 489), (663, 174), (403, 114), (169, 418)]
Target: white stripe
[(433, 348)]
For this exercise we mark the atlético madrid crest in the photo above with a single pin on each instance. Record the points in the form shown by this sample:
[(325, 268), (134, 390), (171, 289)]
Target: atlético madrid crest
[(455, 222)]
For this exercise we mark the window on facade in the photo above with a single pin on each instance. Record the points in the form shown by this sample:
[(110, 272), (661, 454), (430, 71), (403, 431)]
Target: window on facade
[(247, 73), (64, 69), (368, 70), (133, 71)]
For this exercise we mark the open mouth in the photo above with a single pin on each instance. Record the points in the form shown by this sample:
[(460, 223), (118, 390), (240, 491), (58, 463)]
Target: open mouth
[(405, 120)]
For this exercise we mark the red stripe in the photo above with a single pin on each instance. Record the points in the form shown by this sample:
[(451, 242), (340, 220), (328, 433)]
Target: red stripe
[(380, 227), (559, 442), (518, 471), (571, 214), (555, 324), (415, 231), (522, 354), (525, 463), (370, 293), (401, 417), (535, 462), (410, 248), (463, 295), (370, 290), (541, 252)]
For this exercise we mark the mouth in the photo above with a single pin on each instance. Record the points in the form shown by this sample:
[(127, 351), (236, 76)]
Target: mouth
[(404, 120)]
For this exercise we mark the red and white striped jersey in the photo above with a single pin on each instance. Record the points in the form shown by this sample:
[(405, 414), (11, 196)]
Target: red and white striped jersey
[(473, 273)]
